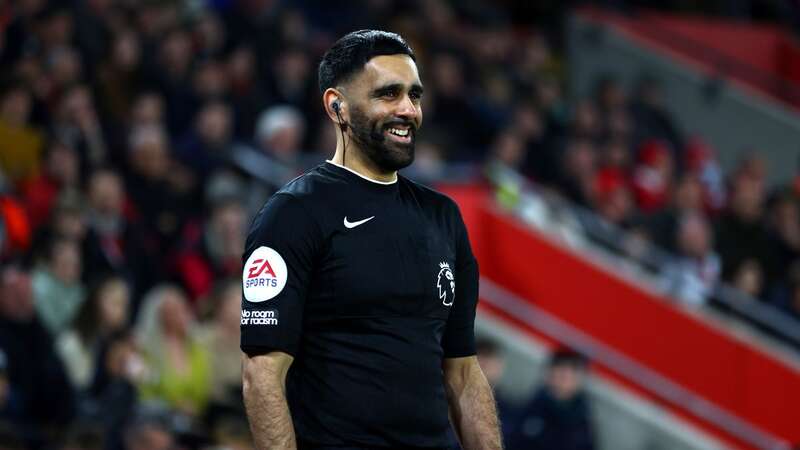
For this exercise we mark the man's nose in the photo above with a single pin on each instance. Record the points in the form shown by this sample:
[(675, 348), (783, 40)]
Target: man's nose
[(407, 109)]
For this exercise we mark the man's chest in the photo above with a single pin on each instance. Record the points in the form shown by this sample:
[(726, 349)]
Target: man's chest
[(385, 260)]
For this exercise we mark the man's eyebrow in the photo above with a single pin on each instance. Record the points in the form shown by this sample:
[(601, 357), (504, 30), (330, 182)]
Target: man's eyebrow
[(381, 90)]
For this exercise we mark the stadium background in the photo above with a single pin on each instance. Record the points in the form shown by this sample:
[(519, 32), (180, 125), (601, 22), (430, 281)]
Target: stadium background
[(627, 176)]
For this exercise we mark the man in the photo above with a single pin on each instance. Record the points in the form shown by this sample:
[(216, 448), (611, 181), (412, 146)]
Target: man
[(350, 279), (558, 417)]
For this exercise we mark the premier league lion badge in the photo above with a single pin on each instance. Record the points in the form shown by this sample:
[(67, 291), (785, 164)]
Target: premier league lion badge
[(443, 280)]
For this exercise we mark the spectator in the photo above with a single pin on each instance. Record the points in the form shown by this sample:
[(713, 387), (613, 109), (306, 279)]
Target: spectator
[(113, 396), (20, 143), (578, 168), (558, 418), (35, 374), (219, 335), (686, 198), (701, 161), (213, 251), (208, 146), (160, 192), (105, 312), (652, 176), (247, 94), (612, 198), (692, 277), (280, 131), (178, 364), (57, 289), (61, 171), (114, 244), (121, 77), (741, 236), (77, 125)]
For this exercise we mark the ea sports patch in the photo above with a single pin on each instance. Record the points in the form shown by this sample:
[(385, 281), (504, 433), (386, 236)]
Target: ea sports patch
[(264, 275)]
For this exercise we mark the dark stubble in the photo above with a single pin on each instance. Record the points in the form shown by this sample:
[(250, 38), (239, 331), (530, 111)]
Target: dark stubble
[(385, 155)]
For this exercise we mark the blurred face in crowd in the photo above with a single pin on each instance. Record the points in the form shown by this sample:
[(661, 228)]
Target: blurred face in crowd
[(585, 122), (688, 194), (78, 108), (113, 302), (16, 296), (148, 153), (749, 277), (15, 108), (385, 111), (69, 223), (509, 149), (694, 236), (62, 164), (748, 198), (214, 124), (292, 67), (616, 154), (228, 222), (786, 220), (210, 80), (175, 314), (106, 194), (65, 66), (229, 311), (447, 74), (210, 33), (65, 262), (127, 51), (241, 65), (148, 109), (565, 380), (176, 52)]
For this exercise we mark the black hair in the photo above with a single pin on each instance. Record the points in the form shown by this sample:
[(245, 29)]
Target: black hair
[(567, 357), (349, 54)]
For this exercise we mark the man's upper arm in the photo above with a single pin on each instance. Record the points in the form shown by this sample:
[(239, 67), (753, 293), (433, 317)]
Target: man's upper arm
[(278, 264), (459, 336)]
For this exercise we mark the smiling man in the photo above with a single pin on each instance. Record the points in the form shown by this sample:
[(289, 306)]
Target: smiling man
[(360, 287)]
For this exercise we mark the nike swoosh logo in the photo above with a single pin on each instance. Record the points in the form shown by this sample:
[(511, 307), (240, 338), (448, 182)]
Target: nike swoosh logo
[(357, 223)]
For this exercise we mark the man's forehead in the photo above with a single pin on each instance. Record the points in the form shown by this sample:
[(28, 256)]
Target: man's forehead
[(389, 69)]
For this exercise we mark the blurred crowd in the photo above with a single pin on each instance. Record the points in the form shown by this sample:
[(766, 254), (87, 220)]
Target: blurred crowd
[(620, 153), (137, 138)]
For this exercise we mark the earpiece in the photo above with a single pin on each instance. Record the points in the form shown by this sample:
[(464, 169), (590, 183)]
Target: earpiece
[(335, 106)]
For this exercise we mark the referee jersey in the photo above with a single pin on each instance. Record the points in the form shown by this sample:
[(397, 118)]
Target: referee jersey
[(369, 285)]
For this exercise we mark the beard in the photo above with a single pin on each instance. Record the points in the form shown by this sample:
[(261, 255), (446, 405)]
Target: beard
[(386, 155)]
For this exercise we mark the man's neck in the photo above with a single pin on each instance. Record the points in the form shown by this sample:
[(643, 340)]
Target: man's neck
[(356, 163)]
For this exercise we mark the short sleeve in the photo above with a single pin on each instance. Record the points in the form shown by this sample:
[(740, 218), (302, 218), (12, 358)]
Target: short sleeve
[(278, 264), (459, 335)]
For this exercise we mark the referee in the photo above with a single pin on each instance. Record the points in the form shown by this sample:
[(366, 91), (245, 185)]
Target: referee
[(359, 285)]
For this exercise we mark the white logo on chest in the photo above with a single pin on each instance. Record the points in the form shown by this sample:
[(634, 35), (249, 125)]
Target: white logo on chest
[(356, 223), (446, 284)]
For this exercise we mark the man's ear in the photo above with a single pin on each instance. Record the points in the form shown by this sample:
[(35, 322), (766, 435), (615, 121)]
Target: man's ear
[(335, 105)]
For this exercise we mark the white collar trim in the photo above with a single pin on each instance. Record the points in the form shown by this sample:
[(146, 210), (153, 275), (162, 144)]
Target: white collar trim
[(362, 176)]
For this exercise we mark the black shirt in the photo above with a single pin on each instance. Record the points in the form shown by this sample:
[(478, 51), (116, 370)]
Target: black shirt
[(369, 286)]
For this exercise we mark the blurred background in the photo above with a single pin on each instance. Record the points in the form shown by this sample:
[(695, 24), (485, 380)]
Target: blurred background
[(628, 173)]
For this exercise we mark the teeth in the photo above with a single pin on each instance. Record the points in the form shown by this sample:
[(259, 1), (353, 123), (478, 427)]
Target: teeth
[(398, 132)]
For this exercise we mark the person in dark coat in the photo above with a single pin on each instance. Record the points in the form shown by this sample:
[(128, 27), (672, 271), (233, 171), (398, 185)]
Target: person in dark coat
[(558, 417)]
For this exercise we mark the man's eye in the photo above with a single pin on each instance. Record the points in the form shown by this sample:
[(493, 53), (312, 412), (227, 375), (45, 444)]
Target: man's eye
[(415, 95)]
